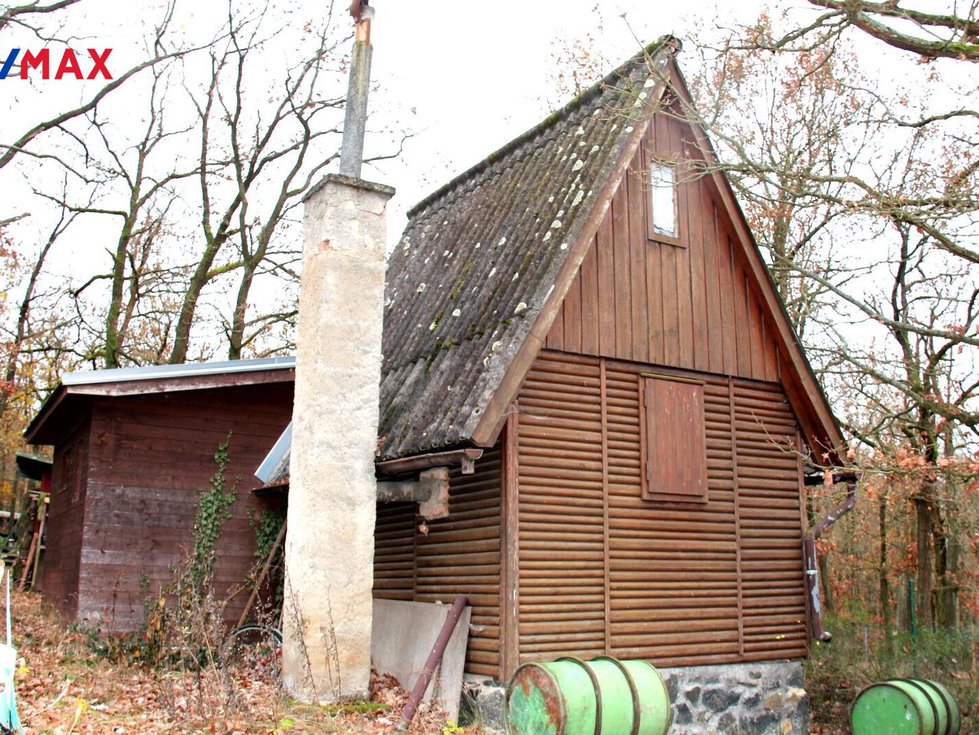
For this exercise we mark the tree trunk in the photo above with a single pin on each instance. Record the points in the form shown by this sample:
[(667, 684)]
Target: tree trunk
[(886, 611), (237, 334), (188, 307), (925, 589), (946, 597)]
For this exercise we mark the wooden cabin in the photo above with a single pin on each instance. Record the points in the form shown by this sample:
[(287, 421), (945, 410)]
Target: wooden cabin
[(588, 308), (588, 305), (133, 448)]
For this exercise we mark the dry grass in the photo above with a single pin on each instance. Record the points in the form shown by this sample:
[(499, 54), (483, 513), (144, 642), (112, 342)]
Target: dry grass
[(65, 686)]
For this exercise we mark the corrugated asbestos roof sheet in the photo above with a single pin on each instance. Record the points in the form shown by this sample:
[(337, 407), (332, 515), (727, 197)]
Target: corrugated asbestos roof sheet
[(479, 257)]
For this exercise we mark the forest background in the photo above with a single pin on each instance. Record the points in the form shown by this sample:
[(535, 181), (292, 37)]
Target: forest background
[(152, 218)]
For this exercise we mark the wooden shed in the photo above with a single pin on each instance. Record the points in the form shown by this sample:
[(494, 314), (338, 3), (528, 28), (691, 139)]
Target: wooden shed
[(132, 449), (589, 306)]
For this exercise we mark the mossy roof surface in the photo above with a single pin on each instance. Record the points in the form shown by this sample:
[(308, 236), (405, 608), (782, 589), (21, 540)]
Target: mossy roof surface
[(479, 257)]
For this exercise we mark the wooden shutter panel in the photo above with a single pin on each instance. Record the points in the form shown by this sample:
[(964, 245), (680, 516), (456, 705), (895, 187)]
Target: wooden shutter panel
[(674, 440)]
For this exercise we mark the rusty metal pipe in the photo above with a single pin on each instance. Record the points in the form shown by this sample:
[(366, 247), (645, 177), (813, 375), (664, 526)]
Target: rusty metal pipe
[(355, 116), (434, 659), (818, 632)]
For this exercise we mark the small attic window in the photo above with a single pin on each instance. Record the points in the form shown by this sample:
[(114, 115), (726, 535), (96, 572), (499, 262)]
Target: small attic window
[(662, 202)]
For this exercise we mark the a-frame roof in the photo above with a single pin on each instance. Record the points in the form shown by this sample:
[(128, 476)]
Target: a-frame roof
[(482, 258), (485, 262)]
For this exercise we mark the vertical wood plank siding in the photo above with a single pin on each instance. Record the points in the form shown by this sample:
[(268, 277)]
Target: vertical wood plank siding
[(459, 555), (691, 306), (672, 582), (65, 523)]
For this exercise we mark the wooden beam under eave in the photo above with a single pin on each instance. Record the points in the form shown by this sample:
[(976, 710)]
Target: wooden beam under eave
[(509, 549)]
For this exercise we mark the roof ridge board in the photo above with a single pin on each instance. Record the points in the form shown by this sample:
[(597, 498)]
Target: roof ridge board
[(484, 371), (578, 213), (667, 42)]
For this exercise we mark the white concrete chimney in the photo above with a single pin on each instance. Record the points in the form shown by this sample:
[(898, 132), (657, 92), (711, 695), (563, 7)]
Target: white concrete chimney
[(329, 552)]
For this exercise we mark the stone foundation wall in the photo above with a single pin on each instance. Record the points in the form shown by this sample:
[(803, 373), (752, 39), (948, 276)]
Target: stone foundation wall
[(734, 699), (483, 701), (739, 699)]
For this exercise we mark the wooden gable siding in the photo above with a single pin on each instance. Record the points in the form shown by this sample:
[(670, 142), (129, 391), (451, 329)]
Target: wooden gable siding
[(689, 306), (65, 522), (602, 571), (458, 555), (150, 455)]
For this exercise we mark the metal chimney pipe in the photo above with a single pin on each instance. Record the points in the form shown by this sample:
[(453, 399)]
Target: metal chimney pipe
[(355, 119)]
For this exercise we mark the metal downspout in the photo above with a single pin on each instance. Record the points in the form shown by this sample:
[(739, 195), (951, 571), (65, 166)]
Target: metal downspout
[(818, 632)]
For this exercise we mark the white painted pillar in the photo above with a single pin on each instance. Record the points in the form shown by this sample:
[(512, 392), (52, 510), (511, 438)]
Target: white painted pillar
[(329, 550)]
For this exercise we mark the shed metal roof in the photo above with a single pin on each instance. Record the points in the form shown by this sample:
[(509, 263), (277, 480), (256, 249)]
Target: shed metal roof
[(186, 370), (78, 388)]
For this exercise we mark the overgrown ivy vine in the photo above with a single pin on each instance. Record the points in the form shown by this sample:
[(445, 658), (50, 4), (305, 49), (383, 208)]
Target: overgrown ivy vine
[(267, 526), (213, 510)]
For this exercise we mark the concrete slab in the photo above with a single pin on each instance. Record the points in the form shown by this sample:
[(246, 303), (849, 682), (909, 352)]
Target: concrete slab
[(402, 637)]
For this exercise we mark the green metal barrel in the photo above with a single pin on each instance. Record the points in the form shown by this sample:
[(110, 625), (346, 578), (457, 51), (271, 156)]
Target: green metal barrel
[(905, 707), (604, 696)]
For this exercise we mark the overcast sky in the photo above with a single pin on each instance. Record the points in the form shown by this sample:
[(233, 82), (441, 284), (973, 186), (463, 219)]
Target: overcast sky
[(468, 77)]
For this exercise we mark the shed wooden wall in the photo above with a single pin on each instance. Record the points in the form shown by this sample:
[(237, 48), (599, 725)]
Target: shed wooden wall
[(149, 456), (65, 522), (604, 572), (459, 555)]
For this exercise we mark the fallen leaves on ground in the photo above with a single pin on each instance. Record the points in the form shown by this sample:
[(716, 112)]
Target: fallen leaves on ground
[(63, 687)]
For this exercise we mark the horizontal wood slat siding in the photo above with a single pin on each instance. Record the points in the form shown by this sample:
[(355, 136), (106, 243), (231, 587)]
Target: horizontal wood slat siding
[(458, 555), (672, 584), (771, 523), (561, 518), (394, 551), (149, 458), (688, 306)]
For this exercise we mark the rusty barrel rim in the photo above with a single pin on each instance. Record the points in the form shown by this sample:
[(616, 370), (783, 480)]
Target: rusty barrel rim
[(595, 685), (953, 717), (602, 696), (515, 680), (664, 690), (636, 711), (874, 689), (935, 714), (541, 697)]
